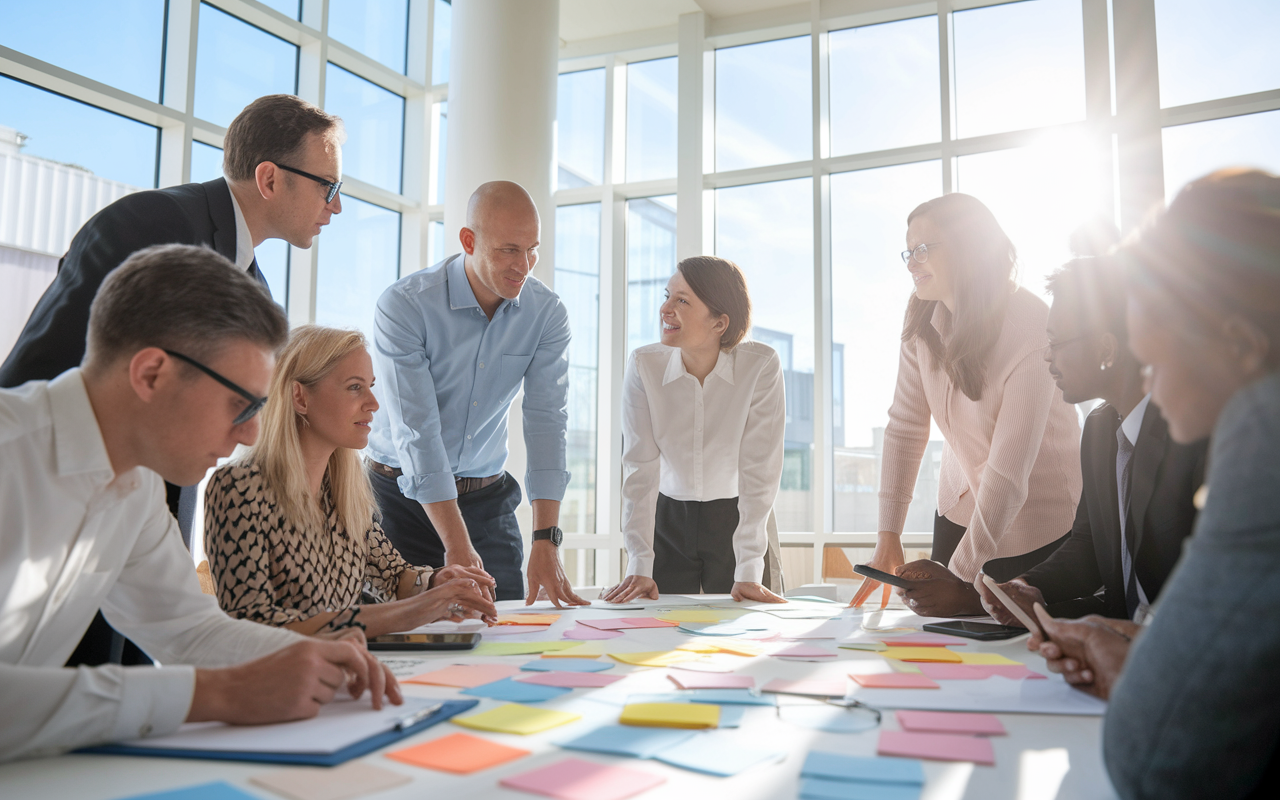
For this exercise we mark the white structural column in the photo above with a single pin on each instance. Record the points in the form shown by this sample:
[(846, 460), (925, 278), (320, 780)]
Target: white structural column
[(502, 109), (695, 122), (1141, 147)]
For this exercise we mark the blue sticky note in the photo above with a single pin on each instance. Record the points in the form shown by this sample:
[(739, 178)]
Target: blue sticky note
[(834, 766), (566, 665), (218, 790), (737, 697), (629, 740), (516, 692), (821, 789), (716, 756), (731, 716)]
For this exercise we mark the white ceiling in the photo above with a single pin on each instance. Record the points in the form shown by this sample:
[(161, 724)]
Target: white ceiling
[(594, 19)]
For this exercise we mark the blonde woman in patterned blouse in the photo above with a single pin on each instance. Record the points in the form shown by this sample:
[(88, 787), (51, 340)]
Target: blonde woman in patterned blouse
[(292, 531)]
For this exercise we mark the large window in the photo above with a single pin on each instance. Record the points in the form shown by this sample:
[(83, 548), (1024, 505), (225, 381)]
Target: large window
[(359, 257), (651, 261), (764, 104), (377, 28), (237, 63), (580, 129), (1217, 50), (1191, 151), (374, 119), (651, 120)]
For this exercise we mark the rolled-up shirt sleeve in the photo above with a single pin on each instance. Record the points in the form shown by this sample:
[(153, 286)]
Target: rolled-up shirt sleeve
[(408, 394), (546, 409)]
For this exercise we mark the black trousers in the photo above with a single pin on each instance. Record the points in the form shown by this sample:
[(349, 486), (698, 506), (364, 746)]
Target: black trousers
[(490, 515), (693, 545), (946, 538)]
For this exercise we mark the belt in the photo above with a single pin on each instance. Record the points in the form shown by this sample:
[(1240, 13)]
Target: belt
[(465, 485)]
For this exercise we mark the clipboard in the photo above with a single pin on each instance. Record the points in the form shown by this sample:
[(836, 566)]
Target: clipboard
[(448, 709)]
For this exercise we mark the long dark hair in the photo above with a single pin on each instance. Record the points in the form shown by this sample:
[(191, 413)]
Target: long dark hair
[(982, 261)]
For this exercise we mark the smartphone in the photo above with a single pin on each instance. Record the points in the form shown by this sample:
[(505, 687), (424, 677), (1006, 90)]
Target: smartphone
[(982, 631), (1007, 601), (425, 641), (884, 577)]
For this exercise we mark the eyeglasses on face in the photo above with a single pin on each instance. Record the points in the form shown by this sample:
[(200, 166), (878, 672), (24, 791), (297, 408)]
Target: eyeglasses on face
[(920, 253), (255, 403), (333, 188)]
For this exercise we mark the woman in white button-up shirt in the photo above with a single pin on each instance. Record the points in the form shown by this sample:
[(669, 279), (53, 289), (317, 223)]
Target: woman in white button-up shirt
[(703, 417)]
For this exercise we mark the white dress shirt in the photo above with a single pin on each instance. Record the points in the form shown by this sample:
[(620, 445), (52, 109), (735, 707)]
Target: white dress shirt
[(1131, 426), (244, 238), (76, 537), (702, 441)]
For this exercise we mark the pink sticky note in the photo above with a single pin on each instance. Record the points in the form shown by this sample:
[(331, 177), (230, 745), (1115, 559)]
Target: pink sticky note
[(584, 632), (570, 680), (950, 722), (693, 680), (576, 779), (465, 676), (894, 680), (936, 746), (813, 687), (804, 651), (977, 672), (926, 640), (648, 622), (626, 623)]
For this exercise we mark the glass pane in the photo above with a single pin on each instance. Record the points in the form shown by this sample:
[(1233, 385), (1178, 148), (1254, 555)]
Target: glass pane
[(1019, 65), (577, 281), (884, 86), (1039, 195), (764, 104), (651, 120), (290, 8), (237, 63), (374, 119), (57, 128), (442, 148), (377, 28), (1208, 51), (767, 230), (119, 43), (359, 257), (273, 254), (651, 261), (440, 41), (436, 242), (869, 290), (580, 128), (1191, 151)]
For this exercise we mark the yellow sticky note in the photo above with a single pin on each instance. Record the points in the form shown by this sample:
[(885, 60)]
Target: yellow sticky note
[(988, 659), (941, 654), (515, 718), (699, 647), (656, 659), (700, 614), (527, 619), (584, 650), (738, 648), (671, 715), (519, 648)]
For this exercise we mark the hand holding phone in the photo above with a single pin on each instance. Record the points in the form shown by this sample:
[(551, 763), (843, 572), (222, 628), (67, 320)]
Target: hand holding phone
[(1014, 609)]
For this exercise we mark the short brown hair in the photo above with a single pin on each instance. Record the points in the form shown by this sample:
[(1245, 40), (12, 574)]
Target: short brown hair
[(183, 298), (720, 284), (273, 128)]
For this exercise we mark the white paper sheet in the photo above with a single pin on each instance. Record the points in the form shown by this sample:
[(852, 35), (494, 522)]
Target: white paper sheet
[(994, 695)]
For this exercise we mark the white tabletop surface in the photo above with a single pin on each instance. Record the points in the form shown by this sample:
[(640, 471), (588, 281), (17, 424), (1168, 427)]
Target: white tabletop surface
[(1041, 758)]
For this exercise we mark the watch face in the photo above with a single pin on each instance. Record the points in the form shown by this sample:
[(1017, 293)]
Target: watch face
[(557, 536)]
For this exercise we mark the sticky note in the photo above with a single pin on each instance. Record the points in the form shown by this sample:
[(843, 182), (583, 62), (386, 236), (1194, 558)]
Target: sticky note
[(566, 665), (671, 715), (950, 722), (465, 676), (821, 789), (936, 746), (733, 697), (926, 640), (941, 654), (626, 623), (986, 659), (840, 767), (692, 680), (584, 633), (576, 779), (459, 753), (894, 680), (352, 779), (803, 651), (628, 740), (570, 680), (654, 659), (217, 790), (519, 648), (700, 614), (731, 716), (811, 687), (587, 650), (715, 755), (735, 647), (515, 718), (978, 672), (868, 646), (695, 646), (514, 691), (527, 619)]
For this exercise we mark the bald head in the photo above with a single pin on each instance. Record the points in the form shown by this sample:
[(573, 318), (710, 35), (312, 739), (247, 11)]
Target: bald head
[(500, 203), (501, 241)]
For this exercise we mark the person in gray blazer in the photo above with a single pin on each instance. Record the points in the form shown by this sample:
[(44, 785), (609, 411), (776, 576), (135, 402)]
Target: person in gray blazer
[(1194, 704)]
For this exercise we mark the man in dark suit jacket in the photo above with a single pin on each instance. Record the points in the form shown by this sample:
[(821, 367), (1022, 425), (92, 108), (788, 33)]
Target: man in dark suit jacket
[(283, 162)]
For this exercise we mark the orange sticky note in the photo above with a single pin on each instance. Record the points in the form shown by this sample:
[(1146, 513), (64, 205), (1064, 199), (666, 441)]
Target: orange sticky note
[(894, 680), (465, 676), (459, 753), (527, 619)]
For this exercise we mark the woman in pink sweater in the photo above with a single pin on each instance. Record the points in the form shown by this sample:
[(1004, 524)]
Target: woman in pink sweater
[(972, 359)]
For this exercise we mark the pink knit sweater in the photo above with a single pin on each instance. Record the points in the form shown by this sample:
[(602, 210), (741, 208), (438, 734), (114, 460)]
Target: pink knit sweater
[(1011, 465)]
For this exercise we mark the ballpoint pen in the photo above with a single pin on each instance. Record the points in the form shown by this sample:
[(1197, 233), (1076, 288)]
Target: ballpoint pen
[(410, 720)]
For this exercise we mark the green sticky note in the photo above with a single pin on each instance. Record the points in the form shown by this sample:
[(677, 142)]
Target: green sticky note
[(520, 648)]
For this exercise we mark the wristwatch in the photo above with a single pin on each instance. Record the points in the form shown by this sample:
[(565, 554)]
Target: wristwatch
[(552, 534)]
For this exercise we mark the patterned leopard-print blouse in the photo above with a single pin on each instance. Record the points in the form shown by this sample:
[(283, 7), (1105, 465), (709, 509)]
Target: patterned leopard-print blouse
[(267, 571)]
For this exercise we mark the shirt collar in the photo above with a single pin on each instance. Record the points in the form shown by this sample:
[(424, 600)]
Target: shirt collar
[(1132, 424), (244, 237), (460, 294), (676, 370), (77, 439)]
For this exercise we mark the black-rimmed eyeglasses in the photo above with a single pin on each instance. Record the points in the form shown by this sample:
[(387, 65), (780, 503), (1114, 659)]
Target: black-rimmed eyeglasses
[(920, 252), (255, 403), (333, 188)]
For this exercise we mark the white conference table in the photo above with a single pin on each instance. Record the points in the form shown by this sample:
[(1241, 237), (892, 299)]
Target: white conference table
[(1042, 757)]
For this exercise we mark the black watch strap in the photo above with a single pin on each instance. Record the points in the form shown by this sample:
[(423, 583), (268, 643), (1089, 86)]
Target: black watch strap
[(552, 534)]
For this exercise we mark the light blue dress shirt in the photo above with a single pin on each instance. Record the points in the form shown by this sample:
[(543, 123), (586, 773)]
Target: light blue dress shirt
[(447, 376)]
